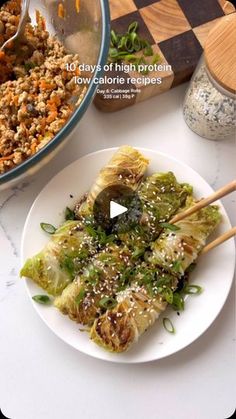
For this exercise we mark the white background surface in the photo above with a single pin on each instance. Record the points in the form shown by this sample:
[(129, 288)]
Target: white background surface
[(40, 376)]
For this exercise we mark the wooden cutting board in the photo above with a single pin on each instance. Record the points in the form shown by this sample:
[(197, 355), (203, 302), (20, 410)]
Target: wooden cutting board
[(177, 30)]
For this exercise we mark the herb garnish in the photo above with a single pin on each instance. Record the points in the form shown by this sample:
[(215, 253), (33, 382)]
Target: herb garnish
[(41, 299), (167, 294), (126, 278), (69, 214), (48, 228), (28, 66), (124, 47), (177, 266), (192, 289), (178, 302), (169, 226), (138, 252), (167, 323), (80, 296), (100, 235), (107, 302), (191, 268), (93, 275)]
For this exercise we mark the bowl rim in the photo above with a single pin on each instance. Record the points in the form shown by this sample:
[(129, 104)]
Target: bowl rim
[(79, 112)]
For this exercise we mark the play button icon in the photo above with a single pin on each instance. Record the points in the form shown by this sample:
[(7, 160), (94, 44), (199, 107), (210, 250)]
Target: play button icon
[(117, 208)]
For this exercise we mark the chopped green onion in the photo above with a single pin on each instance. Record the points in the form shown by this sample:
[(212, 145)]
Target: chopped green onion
[(144, 43), (169, 226), (122, 42), (114, 38), (156, 59), (149, 288), (133, 27), (107, 302), (144, 72), (93, 275), (48, 228), (177, 266), (133, 36), (41, 299), (104, 239), (91, 231), (192, 289), (123, 47), (168, 295), (28, 66), (86, 329), (140, 61), (69, 214), (135, 41), (128, 44), (178, 302), (168, 325), (138, 253), (80, 296), (126, 278), (191, 268), (113, 53), (100, 235), (148, 52), (107, 258), (130, 57)]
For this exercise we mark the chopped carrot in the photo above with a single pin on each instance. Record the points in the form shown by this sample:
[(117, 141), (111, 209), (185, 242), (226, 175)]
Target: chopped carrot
[(77, 72), (61, 11), (40, 20), (35, 83), (9, 98), (43, 24), (7, 157), (77, 5), (33, 147), (43, 125), (54, 102), (24, 109), (15, 100), (47, 86), (64, 74), (52, 116), (9, 45), (23, 126), (38, 16), (2, 55)]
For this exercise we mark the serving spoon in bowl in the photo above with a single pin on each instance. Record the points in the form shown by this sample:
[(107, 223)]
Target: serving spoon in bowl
[(22, 23)]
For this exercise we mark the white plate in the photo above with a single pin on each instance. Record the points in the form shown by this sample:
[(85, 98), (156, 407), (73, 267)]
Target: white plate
[(214, 271)]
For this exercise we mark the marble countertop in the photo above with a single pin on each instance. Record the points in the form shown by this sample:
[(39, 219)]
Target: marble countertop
[(41, 377)]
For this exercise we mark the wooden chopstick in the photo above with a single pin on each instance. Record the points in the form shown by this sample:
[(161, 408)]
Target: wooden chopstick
[(225, 190), (219, 240)]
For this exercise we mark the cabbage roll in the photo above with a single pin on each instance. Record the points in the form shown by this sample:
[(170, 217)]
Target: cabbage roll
[(176, 250), (126, 167), (118, 329), (94, 291), (161, 196), (141, 304), (137, 309), (62, 258), (73, 244)]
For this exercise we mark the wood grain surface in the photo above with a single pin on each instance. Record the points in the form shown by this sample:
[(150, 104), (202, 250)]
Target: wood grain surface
[(177, 31), (165, 19), (223, 66)]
